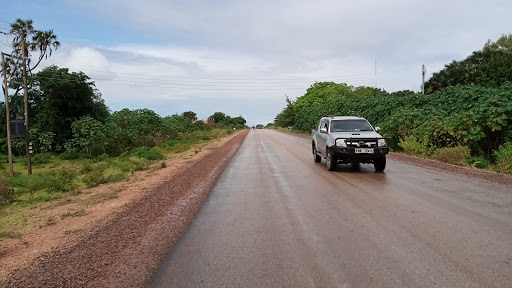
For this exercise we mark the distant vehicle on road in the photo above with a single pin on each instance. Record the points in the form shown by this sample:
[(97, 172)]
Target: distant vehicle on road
[(260, 126), (348, 139)]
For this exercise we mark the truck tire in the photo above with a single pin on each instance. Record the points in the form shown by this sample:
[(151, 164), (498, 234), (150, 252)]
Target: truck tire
[(316, 157), (331, 161), (380, 164)]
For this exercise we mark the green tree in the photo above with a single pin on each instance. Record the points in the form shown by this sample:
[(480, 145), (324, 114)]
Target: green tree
[(133, 128), (58, 98), (287, 116), (87, 133), (491, 67), (42, 43), (190, 115), (218, 117)]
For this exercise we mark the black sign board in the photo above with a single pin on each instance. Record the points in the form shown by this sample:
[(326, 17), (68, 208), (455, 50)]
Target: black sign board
[(18, 129)]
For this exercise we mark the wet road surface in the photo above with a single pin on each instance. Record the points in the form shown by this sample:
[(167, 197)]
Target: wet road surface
[(277, 219)]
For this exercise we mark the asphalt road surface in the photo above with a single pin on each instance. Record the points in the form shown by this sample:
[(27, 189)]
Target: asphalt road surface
[(277, 219)]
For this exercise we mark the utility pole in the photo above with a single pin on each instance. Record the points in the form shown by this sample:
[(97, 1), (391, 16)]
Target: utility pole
[(8, 118), (27, 138), (423, 71), (375, 73)]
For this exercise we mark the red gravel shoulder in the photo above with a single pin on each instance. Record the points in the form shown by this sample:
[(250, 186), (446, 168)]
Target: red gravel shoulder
[(125, 250)]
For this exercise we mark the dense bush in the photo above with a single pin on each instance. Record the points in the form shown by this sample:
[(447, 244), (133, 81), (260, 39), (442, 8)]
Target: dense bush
[(477, 162), (453, 155), (504, 159)]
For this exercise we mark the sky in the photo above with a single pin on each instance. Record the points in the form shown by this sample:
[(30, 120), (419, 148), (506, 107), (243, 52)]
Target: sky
[(243, 57)]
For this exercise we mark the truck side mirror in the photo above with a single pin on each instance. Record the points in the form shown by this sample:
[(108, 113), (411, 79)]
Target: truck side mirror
[(377, 129), (323, 130)]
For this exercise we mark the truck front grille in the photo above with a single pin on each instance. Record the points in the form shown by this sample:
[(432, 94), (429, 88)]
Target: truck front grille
[(361, 143)]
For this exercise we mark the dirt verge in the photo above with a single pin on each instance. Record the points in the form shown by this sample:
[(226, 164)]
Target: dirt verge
[(120, 243)]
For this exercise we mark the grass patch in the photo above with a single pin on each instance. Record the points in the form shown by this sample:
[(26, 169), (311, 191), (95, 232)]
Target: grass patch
[(69, 155), (60, 178), (100, 198), (10, 235), (180, 147), (6, 193), (147, 153), (74, 214), (172, 142), (43, 158)]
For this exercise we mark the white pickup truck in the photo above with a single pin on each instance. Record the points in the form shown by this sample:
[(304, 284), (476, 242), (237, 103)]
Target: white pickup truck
[(348, 139)]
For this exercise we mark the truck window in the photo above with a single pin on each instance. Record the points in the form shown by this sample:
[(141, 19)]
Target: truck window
[(350, 126)]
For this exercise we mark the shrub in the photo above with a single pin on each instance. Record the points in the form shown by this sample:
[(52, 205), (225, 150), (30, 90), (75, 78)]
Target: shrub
[(115, 177), (411, 145), (42, 158), (95, 177), (4, 158), (180, 147), (6, 193), (123, 165), (453, 155), (147, 153), (86, 167), (172, 142), (504, 159), (37, 182), (139, 164), (478, 162), (70, 155)]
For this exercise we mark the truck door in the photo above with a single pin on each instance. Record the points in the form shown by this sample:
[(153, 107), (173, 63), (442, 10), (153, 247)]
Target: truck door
[(321, 141)]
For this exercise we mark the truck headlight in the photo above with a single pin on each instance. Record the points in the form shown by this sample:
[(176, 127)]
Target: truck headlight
[(341, 143), (382, 143)]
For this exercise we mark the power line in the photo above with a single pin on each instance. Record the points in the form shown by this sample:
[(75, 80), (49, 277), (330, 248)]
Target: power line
[(219, 84), (298, 78)]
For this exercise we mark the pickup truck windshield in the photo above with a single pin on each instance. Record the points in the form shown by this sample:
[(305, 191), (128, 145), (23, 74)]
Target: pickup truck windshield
[(350, 126)]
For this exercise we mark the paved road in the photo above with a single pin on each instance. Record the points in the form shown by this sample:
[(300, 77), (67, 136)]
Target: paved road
[(276, 219)]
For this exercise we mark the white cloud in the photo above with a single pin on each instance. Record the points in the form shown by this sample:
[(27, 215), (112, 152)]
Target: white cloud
[(242, 57)]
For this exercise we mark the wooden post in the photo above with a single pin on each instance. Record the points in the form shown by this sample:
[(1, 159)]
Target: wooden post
[(8, 118), (27, 138), (423, 70)]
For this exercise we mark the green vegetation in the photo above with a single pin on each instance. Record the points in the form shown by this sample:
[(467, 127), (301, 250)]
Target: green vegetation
[(461, 121), (77, 142), (60, 174)]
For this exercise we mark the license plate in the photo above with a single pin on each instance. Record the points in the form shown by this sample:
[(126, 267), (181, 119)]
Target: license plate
[(364, 150)]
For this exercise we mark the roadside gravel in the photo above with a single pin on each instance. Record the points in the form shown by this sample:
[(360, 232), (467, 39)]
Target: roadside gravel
[(124, 251)]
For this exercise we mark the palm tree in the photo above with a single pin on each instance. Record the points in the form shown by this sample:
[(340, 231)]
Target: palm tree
[(44, 42)]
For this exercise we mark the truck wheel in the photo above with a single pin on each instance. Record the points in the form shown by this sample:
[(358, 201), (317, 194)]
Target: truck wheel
[(316, 157), (380, 164), (331, 161)]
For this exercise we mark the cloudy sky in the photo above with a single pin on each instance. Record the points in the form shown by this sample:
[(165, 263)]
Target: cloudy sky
[(243, 57)]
